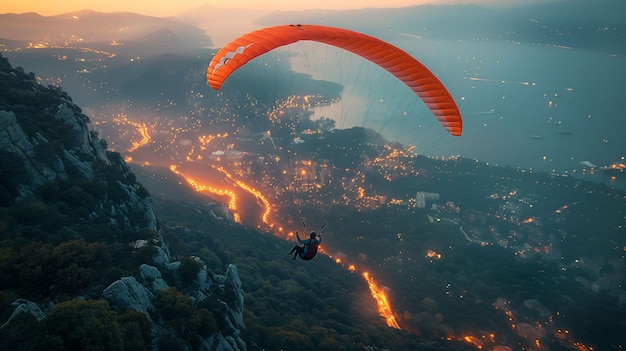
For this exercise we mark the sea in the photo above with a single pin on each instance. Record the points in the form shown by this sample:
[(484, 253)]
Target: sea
[(545, 108)]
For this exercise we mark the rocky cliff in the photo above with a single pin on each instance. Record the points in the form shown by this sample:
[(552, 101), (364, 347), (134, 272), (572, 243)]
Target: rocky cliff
[(48, 134), (48, 152)]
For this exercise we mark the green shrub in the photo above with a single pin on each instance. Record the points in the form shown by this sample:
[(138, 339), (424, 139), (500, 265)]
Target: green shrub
[(85, 325)]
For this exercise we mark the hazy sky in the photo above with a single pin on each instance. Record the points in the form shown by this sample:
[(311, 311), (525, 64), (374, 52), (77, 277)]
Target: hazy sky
[(171, 7)]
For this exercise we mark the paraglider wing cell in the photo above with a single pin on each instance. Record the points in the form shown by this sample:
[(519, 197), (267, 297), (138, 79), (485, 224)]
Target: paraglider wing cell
[(391, 58)]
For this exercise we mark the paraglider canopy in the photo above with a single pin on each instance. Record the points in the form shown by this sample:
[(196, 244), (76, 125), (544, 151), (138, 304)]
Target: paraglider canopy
[(391, 58)]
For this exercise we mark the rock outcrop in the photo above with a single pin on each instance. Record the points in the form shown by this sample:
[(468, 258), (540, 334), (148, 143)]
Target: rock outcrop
[(53, 141), (47, 137), (25, 306), (130, 293)]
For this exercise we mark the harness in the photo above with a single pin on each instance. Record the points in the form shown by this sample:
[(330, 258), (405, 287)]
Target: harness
[(312, 251)]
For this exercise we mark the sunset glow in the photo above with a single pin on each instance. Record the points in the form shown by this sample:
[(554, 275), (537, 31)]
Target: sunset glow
[(169, 8)]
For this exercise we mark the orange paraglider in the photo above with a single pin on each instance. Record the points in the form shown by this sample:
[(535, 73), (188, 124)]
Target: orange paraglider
[(391, 58)]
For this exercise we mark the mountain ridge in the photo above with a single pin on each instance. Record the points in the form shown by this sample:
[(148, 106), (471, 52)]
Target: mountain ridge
[(80, 234), (545, 23), (90, 26)]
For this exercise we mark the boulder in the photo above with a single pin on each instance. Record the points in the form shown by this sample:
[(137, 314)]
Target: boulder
[(204, 280), (128, 293), (219, 342), (151, 278), (236, 310), (25, 306)]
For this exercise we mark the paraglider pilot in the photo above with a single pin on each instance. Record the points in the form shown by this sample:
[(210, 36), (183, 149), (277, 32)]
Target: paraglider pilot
[(309, 248)]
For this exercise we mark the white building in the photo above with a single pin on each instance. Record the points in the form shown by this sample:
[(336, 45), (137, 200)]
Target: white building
[(421, 198)]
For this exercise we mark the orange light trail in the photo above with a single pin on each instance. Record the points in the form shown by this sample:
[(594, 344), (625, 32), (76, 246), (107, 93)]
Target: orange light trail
[(378, 293), (252, 191), (384, 307), (142, 128), (232, 203)]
